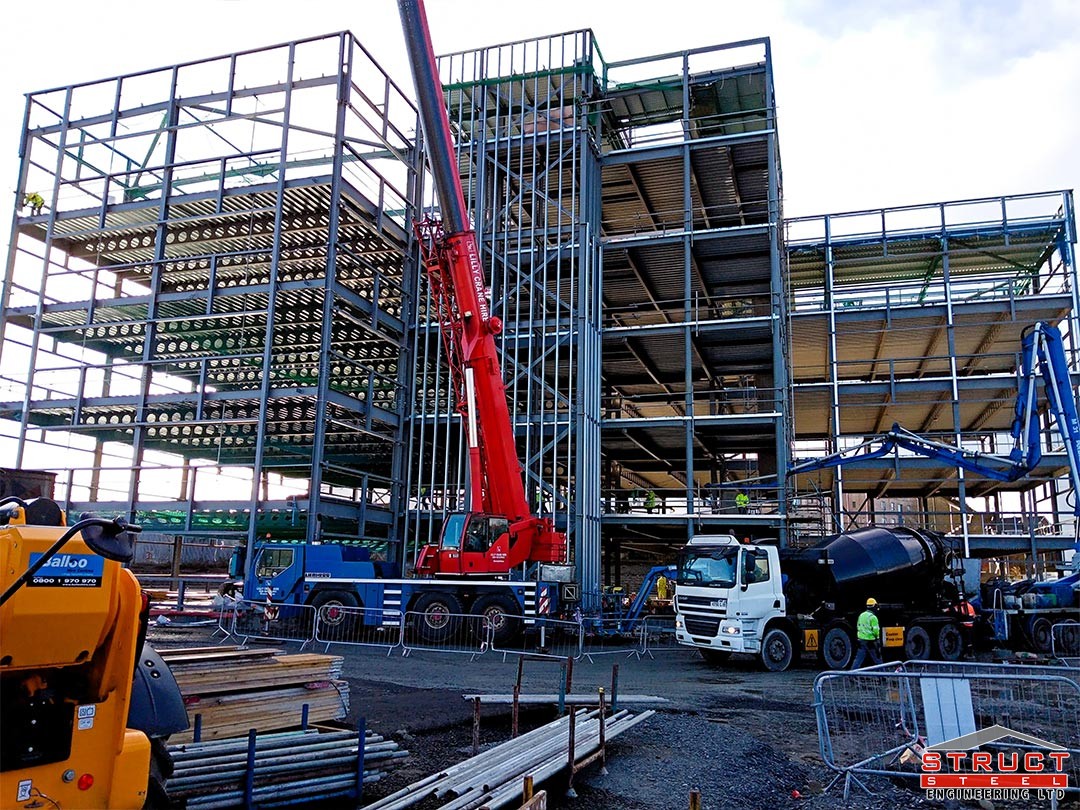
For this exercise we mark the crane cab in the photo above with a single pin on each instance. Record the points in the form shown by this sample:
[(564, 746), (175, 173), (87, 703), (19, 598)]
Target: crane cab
[(470, 543)]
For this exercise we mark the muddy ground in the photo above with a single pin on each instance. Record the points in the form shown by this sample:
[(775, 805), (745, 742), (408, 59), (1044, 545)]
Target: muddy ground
[(745, 738)]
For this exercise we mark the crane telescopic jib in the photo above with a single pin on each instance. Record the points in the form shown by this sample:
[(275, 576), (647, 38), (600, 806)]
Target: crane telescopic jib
[(498, 532)]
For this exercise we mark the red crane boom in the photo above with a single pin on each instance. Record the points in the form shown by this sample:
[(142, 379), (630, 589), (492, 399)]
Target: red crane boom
[(499, 531)]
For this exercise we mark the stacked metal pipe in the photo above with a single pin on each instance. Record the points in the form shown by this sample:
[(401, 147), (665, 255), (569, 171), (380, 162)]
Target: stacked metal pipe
[(291, 767), (493, 778)]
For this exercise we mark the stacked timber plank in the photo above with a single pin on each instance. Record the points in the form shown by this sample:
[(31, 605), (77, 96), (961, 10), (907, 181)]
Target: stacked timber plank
[(233, 689)]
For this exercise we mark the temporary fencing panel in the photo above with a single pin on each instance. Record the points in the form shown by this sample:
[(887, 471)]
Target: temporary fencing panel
[(613, 637), (545, 637), (446, 632), (658, 636), (363, 627), (879, 720), (273, 621)]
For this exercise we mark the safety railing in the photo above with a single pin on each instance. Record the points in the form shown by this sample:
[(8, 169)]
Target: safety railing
[(1065, 643), (547, 638), (879, 720), (441, 631), (273, 621), (359, 626)]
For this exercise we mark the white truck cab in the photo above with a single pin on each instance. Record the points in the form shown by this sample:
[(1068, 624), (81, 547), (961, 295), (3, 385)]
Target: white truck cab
[(729, 598)]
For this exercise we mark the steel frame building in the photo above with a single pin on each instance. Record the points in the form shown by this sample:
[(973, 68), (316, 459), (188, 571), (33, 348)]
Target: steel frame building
[(629, 216), (209, 306), (217, 323), (914, 315)]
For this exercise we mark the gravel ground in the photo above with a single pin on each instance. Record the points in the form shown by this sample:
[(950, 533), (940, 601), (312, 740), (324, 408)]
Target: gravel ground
[(745, 738)]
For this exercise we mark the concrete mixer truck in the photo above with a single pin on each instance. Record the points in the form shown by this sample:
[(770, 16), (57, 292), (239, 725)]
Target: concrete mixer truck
[(780, 605)]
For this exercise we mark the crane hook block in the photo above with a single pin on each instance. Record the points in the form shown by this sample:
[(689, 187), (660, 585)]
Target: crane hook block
[(495, 325)]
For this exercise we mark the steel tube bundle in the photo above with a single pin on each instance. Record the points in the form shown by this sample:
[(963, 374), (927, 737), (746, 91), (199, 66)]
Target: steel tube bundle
[(277, 768), (493, 778)]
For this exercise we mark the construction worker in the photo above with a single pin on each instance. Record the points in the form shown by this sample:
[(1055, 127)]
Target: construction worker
[(742, 502), (35, 202), (650, 501), (661, 587), (869, 633)]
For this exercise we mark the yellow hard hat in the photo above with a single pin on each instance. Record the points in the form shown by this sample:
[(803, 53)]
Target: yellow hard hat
[(871, 602)]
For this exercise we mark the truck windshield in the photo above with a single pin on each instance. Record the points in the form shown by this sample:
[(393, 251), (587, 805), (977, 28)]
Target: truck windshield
[(712, 567)]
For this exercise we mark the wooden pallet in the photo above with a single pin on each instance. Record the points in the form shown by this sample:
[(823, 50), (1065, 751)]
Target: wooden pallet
[(234, 689)]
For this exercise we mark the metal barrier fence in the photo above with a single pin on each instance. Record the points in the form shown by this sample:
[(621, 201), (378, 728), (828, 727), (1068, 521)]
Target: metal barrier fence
[(612, 637), (658, 636), (358, 626), (275, 622), (1065, 643), (878, 720), (549, 638), (463, 633)]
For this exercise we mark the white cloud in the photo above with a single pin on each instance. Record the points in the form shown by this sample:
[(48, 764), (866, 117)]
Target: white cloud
[(880, 103)]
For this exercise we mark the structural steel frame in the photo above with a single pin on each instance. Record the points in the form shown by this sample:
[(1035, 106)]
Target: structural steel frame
[(914, 315), (213, 288)]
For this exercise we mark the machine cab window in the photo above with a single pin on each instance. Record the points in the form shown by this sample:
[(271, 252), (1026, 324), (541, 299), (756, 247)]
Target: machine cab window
[(755, 566), (272, 561), (484, 531), (452, 531)]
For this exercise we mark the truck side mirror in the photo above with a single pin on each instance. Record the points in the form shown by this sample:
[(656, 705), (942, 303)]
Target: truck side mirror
[(113, 540)]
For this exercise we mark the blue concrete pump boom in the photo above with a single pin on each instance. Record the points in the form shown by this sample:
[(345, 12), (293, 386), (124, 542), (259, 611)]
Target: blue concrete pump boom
[(1042, 354)]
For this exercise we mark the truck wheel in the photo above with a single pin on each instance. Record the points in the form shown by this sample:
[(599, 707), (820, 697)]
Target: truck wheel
[(334, 623), (837, 648), (916, 644), (1041, 630), (776, 650), (502, 614), (714, 657), (950, 642), (439, 616)]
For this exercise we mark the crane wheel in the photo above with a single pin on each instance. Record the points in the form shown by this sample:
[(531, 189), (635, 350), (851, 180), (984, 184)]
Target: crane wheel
[(916, 643), (439, 617), (501, 614), (336, 622)]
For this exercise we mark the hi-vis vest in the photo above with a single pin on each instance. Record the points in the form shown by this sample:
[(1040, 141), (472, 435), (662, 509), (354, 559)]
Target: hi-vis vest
[(869, 629)]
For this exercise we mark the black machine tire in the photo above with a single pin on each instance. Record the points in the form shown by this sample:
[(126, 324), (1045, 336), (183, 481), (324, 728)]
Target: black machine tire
[(777, 650), (949, 644), (837, 647), (161, 768), (714, 657), (335, 624), (438, 619), (1041, 634), (1070, 640), (501, 612), (917, 643)]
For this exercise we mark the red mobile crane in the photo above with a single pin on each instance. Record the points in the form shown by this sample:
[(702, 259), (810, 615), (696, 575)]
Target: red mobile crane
[(498, 532)]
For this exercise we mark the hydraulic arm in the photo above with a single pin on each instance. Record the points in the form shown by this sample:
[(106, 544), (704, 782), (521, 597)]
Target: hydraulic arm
[(1042, 355), (499, 531)]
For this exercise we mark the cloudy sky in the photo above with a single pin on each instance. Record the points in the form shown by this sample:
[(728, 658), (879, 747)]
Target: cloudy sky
[(880, 104)]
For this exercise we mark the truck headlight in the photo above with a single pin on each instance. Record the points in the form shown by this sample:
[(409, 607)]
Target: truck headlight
[(731, 630), (678, 623)]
